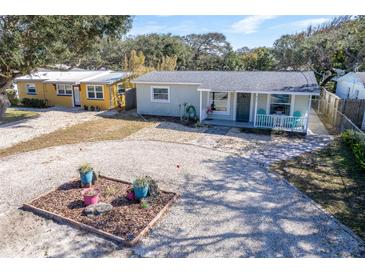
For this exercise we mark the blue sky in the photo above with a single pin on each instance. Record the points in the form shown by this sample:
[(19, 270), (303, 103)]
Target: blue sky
[(250, 31)]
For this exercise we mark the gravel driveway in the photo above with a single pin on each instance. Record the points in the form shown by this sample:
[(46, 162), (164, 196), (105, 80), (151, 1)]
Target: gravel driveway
[(50, 119), (230, 205)]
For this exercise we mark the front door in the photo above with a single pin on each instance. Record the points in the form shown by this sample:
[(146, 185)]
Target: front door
[(243, 107), (76, 96)]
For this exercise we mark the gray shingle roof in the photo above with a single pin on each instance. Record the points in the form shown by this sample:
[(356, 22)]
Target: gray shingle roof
[(284, 81)]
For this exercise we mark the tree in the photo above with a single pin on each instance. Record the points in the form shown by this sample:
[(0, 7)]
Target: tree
[(29, 42), (156, 46), (168, 63), (136, 64), (258, 59), (208, 50), (289, 52)]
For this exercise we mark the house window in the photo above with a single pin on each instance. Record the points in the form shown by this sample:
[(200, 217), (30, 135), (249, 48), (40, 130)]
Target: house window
[(63, 89), (280, 104), (31, 89), (160, 94), (95, 92), (219, 102), (121, 89)]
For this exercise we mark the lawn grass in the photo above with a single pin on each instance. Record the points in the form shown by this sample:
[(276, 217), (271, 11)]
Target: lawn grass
[(12, 115), (330, 177), (116, 127)]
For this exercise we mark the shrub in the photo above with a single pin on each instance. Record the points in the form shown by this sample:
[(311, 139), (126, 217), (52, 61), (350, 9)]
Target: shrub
[(34, 103), (356, 142), (142, 181), (92, 108), (13, 97), (85, 168), (86, 107)]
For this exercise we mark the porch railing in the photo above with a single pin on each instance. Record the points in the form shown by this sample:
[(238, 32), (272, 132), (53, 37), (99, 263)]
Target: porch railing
[(282, 122)]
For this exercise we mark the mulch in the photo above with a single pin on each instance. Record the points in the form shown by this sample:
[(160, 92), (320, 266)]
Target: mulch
[(127, 219)]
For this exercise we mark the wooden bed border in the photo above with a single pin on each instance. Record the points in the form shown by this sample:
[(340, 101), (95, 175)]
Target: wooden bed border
[(78, 225)]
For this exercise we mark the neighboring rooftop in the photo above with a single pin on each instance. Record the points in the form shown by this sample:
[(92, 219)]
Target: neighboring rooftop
[(75, 76), (109, 78), (285, 81), (361, 76)]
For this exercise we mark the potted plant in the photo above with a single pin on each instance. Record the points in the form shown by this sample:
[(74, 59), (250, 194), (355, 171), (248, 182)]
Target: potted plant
[(86, 174), (91, 196), (140, 187), (209, 112)]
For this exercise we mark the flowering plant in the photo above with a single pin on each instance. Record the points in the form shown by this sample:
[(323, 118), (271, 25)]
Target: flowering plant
[(209, 110)]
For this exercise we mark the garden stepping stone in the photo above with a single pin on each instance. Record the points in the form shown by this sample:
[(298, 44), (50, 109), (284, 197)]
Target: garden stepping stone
[(97, 209)]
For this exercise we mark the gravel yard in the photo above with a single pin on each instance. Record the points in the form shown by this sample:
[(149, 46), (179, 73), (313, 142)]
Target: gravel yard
[(230, 204), (50, 119), (264, 149)]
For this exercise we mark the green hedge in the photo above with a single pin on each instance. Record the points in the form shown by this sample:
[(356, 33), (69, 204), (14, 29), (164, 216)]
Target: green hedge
[(12, 96), (356, 141), (34, 103)]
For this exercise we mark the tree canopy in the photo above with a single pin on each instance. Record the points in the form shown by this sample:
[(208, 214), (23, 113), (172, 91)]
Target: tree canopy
[(29, 42), (95, 42)]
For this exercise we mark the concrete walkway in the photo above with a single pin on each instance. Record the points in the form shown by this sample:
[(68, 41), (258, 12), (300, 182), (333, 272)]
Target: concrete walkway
[(316, 126), (230, 206)]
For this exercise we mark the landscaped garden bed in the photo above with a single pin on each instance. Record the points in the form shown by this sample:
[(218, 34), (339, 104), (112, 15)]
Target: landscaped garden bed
[(126, 219)]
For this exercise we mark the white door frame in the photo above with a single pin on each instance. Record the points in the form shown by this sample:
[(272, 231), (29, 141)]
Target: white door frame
[(73, 95)]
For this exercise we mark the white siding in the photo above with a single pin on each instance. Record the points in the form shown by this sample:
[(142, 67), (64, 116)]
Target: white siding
[(179, 94), (349, 86)]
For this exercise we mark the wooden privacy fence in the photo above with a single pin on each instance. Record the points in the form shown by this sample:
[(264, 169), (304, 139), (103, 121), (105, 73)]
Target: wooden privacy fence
[(330, 104)]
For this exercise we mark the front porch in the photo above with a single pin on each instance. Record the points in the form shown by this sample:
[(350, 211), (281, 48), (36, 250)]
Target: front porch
[(278, 111)]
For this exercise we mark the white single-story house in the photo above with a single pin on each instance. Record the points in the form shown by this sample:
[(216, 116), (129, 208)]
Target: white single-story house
[(351, 85), (262, 99)]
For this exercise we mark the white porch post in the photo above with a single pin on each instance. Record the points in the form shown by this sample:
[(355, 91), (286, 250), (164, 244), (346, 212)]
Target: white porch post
[(235, 106), (200, 105), (309, 109), (363, 122), (255, 110), (292, 104)]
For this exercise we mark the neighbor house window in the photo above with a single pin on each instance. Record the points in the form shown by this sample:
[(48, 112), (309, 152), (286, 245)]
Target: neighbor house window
[(31, 89), (63, 89), (280, 104), (160, 94), (219, 102), (95, 92), (121, 89)]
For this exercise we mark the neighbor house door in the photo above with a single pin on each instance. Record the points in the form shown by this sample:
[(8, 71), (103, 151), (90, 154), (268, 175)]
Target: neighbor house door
[(76, 96), (243, 107)]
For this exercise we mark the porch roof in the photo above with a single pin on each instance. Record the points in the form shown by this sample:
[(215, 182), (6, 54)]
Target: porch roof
[(244, 81)]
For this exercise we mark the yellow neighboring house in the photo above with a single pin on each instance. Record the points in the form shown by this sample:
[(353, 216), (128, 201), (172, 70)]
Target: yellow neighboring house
[(79, 88)]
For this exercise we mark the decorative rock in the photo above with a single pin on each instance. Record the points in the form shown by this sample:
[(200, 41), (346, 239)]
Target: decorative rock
[(97, 209)]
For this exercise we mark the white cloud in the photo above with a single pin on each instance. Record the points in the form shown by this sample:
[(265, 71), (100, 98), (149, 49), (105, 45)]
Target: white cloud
[(182, 28), (302, 24), (250, 24)]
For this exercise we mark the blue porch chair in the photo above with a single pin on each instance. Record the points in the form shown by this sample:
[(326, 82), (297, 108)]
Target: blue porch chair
[(297, 119), (262, 121)]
